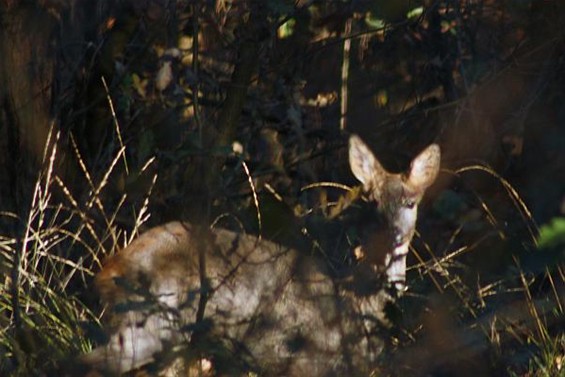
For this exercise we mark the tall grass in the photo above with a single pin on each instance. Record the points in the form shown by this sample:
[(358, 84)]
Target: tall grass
[(48, 265)]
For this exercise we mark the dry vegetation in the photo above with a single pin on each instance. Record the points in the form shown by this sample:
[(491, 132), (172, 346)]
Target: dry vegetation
[(233, 113)]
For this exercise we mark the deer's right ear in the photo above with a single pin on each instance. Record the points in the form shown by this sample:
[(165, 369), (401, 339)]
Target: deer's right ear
[(363, 163)]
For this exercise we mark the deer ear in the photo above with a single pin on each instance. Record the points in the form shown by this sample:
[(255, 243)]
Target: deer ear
[(364, 165), (425, 167)]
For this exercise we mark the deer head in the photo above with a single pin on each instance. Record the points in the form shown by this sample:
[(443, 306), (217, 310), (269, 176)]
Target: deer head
[(397, 197)]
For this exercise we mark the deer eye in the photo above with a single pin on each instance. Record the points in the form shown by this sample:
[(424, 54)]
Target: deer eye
[(410, 203)]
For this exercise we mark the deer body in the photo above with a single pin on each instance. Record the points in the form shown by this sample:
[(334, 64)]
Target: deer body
[(256, 305)]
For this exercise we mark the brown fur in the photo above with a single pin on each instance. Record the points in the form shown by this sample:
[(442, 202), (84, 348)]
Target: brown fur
[(251, 305)]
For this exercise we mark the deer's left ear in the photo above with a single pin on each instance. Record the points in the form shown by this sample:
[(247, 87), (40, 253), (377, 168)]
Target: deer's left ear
[(425, 167)]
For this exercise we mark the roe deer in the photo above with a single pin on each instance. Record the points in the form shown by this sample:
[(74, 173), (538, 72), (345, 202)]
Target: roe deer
[(251, 305)]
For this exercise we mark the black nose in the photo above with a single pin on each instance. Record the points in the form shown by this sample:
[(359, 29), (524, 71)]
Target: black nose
[(398, 239)]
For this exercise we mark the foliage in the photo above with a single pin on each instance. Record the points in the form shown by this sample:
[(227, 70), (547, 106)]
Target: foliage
[(233, 113), (552, 234)]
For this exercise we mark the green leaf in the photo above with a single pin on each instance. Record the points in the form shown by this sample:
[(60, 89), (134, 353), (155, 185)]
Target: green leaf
[(415, 13), (286, 29), (374, 22), (552, 234)]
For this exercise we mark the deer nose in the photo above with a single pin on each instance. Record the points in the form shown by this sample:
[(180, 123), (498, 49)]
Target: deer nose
[(400, 286), (398, 238)]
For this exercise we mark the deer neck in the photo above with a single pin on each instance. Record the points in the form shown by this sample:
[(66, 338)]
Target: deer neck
[(395, 266), (385, 258)]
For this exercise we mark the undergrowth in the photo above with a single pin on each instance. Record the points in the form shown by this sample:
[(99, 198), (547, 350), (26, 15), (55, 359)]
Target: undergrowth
[(511, 320)]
